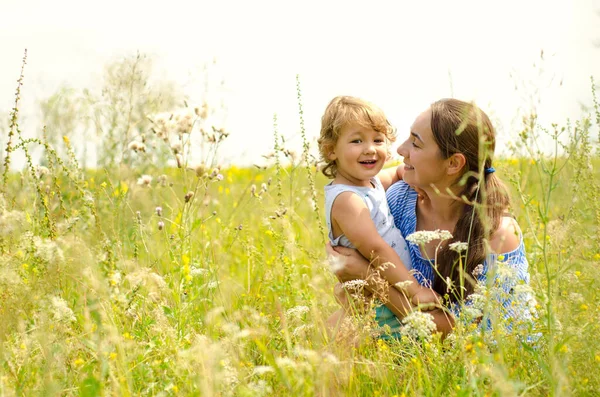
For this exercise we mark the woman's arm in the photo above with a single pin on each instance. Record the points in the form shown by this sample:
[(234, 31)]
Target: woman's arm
[(355, 266)]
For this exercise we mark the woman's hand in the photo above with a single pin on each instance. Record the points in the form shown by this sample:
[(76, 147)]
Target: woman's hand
[(347, 263)]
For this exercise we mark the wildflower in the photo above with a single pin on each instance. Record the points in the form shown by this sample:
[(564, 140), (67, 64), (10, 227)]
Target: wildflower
[(214, 173), (137, 146), (418, 325), (144, 180), (41, 171), (354, 285), (478, 271), (61, 311), (161, 225), (194, 271), (219, 177), (458, 246), (158, 211), (176, 147), (253, 190), (297, 311), (199, 169), (188, 196), (425, 236), (212, 285), (179, 160), (66, 140), (162, 180), (302, 331)]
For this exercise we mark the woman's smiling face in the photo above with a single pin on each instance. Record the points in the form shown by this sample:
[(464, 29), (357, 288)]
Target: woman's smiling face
[(423, 162)]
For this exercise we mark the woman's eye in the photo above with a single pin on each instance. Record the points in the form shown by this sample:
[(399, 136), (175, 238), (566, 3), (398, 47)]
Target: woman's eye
[(356, 141), (414, 144)]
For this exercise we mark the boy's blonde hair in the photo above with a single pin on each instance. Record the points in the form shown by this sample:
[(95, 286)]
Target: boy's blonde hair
[(341, 111)]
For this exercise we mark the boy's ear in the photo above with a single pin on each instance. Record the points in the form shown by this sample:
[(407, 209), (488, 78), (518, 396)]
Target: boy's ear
[(331, 153), (456, 163)]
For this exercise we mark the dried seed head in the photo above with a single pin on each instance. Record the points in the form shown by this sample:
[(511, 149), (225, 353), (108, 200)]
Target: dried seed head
[(161, 225), (188, 196), (159, 211)]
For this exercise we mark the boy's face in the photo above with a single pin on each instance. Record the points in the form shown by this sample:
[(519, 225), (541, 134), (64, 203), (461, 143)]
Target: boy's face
[(360, 153)]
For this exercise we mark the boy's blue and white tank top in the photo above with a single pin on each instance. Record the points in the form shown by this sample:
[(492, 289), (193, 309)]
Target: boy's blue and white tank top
[(376, 201)]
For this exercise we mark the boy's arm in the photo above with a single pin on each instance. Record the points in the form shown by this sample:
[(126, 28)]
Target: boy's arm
[(351, 215), (391, 175)]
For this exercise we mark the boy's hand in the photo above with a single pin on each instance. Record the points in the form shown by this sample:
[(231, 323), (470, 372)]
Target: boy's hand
[(426, 299)]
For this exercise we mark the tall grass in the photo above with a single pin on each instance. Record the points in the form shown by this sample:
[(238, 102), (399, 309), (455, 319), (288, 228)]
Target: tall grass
[(224, 290)]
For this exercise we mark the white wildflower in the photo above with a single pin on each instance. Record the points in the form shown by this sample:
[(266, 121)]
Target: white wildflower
[(11, 221), (176, 147), (478, 271), (137, 146), (418, 325), (425, 236), (144, 180), (354, 285), (212, 285), (458, 246), (575, 297), (40, 171), (47, 250), (195, 272), (298, 311), (61, 311), (302, 331)]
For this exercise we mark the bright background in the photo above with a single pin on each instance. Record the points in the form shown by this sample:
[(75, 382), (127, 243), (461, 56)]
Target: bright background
[(400, 55)]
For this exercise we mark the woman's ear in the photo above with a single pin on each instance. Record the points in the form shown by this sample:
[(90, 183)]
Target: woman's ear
[(456, 163)]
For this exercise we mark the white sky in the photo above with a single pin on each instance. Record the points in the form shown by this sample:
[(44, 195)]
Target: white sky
[(397, 54)]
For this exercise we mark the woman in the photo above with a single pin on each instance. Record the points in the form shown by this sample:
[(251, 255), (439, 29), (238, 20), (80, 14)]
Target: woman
[(448, 160)]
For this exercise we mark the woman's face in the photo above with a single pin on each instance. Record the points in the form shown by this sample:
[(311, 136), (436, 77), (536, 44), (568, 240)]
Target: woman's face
[(423, 162)]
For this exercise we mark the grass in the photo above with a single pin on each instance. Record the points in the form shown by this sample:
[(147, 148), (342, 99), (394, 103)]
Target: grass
[(230, 294)]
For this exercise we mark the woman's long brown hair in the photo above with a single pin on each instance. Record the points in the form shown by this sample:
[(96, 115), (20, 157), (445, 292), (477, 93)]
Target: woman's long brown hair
[(461, 127)]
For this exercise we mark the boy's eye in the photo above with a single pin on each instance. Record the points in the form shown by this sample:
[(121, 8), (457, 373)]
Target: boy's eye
[(356, 141)]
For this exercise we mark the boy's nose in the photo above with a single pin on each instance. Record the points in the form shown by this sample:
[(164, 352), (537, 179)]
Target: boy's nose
[(369, 148)]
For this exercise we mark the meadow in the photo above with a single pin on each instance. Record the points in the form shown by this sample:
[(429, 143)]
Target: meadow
[(194, 279)]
